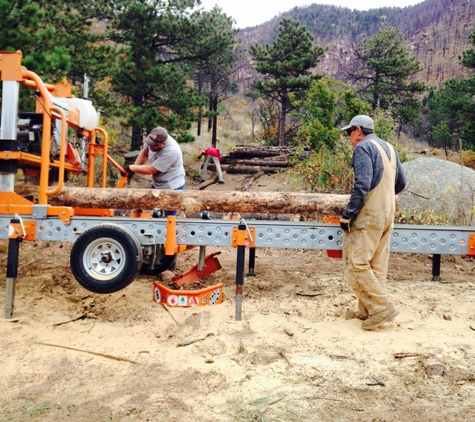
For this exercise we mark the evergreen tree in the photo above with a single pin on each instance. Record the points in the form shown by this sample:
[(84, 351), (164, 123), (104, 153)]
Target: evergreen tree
[(452, 108), (212, 74), (160, 41), (382, 72), (55, 37), (286, 66), (327, 104)]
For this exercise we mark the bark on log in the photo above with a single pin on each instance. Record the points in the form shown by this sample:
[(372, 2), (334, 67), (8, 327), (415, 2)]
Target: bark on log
[(208, 183), (256, 162), (248, 216), (261, 152), (238, 169), (193, 200)]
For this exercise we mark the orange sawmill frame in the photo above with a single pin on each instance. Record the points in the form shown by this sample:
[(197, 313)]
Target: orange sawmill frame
[(11, 203)]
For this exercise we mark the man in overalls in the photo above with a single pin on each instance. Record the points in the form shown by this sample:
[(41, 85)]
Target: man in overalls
[(367, 222)]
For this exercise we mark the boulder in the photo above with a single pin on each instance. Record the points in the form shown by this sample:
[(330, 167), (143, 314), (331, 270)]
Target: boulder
[(442, 186)]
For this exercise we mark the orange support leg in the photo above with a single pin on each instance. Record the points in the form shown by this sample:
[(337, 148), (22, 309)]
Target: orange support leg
[(211, 265)]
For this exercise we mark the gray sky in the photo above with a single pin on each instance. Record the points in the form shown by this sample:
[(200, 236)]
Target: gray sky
[(254, 12)]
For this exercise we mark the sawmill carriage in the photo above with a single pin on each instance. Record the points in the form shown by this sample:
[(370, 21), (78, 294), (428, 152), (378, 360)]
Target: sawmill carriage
[(110, 250)]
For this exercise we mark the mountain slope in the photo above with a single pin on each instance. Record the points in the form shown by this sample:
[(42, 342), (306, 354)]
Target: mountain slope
[(436, 30)]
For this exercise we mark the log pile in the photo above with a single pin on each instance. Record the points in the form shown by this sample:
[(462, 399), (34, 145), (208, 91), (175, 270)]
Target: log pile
[(245, 159), (256, 161)]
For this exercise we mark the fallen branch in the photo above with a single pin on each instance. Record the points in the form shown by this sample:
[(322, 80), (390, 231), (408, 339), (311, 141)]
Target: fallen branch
[(250, 180), (417, 194), (190, 340), (308, 293), (168, 310), (83, 316), (410, 355), (322, 398), (271, 403), (89, 352), (207, 183), (376, 382), (284, 356)]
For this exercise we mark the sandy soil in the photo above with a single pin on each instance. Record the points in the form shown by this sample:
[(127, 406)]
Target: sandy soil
[(69, 354)]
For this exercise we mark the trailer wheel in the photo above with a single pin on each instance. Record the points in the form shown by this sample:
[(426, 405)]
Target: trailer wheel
[(106, 258)]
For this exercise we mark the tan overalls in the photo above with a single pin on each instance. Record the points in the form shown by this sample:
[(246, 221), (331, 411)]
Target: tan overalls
[(366, 246)]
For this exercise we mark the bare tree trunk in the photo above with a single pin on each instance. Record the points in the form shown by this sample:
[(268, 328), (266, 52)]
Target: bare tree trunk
[(215, 121), (216, 201)]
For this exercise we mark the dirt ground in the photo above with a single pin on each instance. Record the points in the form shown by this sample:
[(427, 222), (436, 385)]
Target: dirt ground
[(69, 354)]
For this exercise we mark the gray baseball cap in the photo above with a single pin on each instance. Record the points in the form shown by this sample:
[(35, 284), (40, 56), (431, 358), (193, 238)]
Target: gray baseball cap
[(156, 137), (361, 121)]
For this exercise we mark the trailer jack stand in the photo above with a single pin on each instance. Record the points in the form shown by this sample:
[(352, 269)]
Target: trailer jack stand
[(15, 237)]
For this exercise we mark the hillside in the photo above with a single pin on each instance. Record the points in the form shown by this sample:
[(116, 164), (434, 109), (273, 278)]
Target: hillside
[(436, 30)]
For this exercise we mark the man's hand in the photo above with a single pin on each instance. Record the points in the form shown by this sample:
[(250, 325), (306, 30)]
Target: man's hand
[(345, 224), (130, 173)]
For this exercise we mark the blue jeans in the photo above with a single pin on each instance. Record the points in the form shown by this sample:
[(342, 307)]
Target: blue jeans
[(167, 213)]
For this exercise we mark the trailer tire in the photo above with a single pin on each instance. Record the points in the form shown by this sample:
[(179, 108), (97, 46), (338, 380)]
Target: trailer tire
[(106, 258)]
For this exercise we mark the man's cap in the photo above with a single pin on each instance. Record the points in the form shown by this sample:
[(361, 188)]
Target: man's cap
[(361, 121), (156, 137)]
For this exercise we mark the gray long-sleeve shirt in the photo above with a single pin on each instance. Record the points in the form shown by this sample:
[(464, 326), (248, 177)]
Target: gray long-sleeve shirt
[(368, 169)]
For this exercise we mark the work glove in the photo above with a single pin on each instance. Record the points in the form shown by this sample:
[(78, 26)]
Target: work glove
[(129, 172), (345, 224)]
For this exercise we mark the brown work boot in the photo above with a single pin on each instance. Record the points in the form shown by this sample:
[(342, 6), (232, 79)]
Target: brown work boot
[(351, 314), (376, 320)]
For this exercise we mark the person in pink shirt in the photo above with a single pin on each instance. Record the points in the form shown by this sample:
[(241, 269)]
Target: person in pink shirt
[(211, 153)]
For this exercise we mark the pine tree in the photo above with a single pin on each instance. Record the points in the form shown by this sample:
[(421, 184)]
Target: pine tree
[(452, 108), (382, 72), (212, 74), (286, 66), (160, 41)]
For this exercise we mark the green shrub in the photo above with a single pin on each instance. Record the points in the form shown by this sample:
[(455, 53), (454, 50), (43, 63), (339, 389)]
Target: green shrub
[(325, 171), (185, 138)]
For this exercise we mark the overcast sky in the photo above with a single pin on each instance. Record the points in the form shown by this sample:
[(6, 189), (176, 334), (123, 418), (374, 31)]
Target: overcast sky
[(254, 12)]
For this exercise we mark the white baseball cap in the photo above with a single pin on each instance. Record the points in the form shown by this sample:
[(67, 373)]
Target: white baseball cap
[(361, 121)]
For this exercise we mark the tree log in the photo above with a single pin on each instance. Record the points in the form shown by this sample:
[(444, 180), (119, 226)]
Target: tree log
[(252, 152), (248, 216), (207, 183), (193, 200), (256, 162), (238, 169)]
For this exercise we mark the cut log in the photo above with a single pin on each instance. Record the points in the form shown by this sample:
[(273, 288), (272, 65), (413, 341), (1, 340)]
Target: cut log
[(247, 216), (256, 162), (193, 200), (207, 183), (239, 169), (252, 152)]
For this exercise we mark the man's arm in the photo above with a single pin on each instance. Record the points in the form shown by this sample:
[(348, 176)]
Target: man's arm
[(143, 168), (142, 157), (363, 174), (401, 181), (139, 167)]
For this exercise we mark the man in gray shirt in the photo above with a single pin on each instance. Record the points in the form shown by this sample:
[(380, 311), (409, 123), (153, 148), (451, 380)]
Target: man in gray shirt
[(367, 222), (165, 162)]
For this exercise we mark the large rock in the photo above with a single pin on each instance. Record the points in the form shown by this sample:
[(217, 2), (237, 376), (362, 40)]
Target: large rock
[(441, 186)]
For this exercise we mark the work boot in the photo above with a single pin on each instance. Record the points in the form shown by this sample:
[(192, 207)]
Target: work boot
[(376, 320), (351, 314)]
